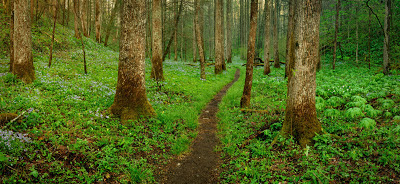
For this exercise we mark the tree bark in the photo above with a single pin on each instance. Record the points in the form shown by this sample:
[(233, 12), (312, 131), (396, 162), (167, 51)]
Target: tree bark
[(54, 31), (219, 50), (336, 34), (194, 46), (130, 102), (79, 23), (199, 35), (276, 36), (245, 100), (98, 21), (173, 31), (289, 40), (11, 12), (83, 5), (23, 60), (229, 28), (156, 60), (301, 118), (76, 13), (267, 41), (386, 43), (111, 22)]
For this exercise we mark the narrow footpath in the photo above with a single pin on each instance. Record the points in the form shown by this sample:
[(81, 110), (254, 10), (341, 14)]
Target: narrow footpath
[(201, 165)]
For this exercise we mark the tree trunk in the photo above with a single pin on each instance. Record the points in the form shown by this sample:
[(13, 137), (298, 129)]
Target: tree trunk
[(369, 39), (68, 11), (79, 22), (98, 21), (267, 41), (54, 31), (301, 118), (76, 13), (173, 31), (130, 102), (199, 35), (219, 50), (32, 10), (357, 39), (194, 37), (156, 60), (336, 33), (229, 28), (276, 36), (289, 40), (111, 21), (386, 43), (11, 12), (245, 100), (83, 5), (23, 60)]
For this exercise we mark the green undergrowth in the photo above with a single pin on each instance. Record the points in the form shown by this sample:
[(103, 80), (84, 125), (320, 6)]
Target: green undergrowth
[(358, 106), (66, 134)]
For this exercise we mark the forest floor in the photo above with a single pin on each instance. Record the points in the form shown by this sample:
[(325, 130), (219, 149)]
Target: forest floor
[(202, 164)]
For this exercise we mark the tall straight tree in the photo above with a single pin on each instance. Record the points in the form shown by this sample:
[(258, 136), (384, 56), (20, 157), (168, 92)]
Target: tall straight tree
[(386, 43), (336, 33), (219, 43), (83, 5), (76, 18), (111, 21), (156, 60), (199, 35), (301, 117), (267, 41), (289, 40), (98, 21), (276, 35), (194, 34), (229, 28), (11, 13), (245, 100), (54, 31), (130, 102), (23, 60)]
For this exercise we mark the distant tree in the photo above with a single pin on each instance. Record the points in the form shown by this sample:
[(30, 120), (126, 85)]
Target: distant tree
[(276, 35), (55, 7), (11, 12), (199, 35), (290, 38), (156, 60), (83, 5), (245, 100), (301, 118), (229, 29), (219, 46), (175, 28), (267, 41), (76, 19), (336, 33), (130, 102), (98, 20), (194, 45), (111, 21), (386, 43), (23, 60)]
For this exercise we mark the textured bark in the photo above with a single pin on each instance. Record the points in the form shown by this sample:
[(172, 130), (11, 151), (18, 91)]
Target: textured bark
[(289, 40), (11, 11), (386, 43), (245, 100), (301, 117), (219, 47), (98, 21), (156, 60), (76, 24), (267, 41), (276, 36), (336, 33), (229, 28), (83, 5), (32, 10), (199, 35), (54, 31), (111, 22), (23, 60), (130, 102)]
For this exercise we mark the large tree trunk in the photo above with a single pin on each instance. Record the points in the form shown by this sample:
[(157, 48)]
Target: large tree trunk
[(54, 31), (219, 47), (23, 60), (156, 60), (245, 100), (130, 102), (98, 21), (386, 43), (11, 11), (199, 35), (336, 33), (267, 41), (229, 28), (301, 118), (111, 22), (289, 40), (76, 21), (276, 36)]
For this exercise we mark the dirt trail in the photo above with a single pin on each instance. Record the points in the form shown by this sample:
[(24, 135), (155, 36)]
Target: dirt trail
[(201, 165)]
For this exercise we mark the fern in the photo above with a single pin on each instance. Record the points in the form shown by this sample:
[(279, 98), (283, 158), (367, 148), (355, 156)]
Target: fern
[(335, 101), (354, 113), (332, 113), (367, 123)]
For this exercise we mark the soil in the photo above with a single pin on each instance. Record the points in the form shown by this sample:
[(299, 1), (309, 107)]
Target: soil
[(202, 164)]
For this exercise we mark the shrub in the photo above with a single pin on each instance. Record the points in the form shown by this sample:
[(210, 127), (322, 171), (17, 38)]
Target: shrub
[(367, 123), (354, 113), (332, 113)]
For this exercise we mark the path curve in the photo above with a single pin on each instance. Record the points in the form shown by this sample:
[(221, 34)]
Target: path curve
[(202, 164)]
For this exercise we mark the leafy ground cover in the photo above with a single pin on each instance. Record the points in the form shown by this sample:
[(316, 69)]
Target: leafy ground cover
[(66, 133), (358, 108)]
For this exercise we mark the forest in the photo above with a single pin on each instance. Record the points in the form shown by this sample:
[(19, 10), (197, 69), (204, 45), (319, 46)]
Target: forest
[(199, 91)]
